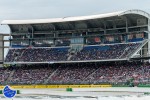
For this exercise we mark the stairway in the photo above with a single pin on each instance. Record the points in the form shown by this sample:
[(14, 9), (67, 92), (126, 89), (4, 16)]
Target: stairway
[(46, 81), (10, 75), (138, 49)]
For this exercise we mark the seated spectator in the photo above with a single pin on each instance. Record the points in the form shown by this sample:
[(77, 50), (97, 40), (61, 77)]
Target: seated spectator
[(103, 52), (77, 73)]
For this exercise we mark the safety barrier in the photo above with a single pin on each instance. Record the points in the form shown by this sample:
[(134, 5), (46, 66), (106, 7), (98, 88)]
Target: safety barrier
[(144, 85), (56, 86), (120, 86)]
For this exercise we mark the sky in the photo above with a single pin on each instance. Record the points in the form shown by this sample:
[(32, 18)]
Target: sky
[(41, 9)]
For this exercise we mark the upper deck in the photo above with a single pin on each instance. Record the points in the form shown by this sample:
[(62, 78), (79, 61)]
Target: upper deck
[(116, 27)]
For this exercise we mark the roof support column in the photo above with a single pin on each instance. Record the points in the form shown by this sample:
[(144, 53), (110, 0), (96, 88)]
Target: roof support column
[(32, 32), (1, 50), (148, 36), (126, 22), (126, 25), (105, 25)]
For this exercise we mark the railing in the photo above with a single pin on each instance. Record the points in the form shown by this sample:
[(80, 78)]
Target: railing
[(134, 52), (53, 62)]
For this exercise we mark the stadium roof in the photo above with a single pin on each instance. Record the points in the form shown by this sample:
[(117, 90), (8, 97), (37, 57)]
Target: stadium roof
[(79, 18), (4, 34)]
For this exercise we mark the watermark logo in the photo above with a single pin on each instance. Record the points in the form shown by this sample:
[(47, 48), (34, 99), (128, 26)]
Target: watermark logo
[(8, 92)]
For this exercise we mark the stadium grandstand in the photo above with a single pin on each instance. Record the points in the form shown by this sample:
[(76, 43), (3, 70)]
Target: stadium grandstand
[(111, 48)]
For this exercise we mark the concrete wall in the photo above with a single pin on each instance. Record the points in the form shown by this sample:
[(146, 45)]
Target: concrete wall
[(1, 49)]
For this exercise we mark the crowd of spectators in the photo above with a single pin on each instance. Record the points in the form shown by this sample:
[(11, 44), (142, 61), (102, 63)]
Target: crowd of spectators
[(4, 74), (72, 73), (77, 73), (121, 73), (100, 52), (30, 74), (97, 73), (106, 52), (37, 55)]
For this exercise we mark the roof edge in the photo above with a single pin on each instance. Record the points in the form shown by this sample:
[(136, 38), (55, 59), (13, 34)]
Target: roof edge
[(64, 19), (78, 18), (136, 11)]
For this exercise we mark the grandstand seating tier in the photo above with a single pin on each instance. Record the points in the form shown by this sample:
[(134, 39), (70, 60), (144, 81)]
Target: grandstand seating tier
[(99, 52), (77, 73)]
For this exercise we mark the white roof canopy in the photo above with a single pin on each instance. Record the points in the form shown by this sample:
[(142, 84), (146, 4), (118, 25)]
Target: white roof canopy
[(79, 18)]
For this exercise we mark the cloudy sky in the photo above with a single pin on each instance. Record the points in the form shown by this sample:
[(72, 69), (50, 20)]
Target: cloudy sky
[(35, 9)]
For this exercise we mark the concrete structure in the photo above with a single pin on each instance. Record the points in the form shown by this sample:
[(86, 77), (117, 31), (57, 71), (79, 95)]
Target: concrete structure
[(2, 46)]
